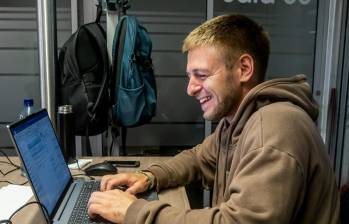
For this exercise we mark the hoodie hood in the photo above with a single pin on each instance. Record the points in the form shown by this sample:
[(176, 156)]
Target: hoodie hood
[(294, 89)]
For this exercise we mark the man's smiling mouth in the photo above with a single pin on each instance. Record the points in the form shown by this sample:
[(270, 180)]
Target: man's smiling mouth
[(204, 99)]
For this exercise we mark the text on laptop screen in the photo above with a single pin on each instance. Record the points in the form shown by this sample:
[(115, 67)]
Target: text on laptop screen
[(41, 153)]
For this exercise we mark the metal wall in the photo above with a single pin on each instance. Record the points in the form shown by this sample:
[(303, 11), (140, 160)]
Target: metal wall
[(19, 60), (178, 122), (291, 27)]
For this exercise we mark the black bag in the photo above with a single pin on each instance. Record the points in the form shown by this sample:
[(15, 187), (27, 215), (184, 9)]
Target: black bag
[(84, 77)]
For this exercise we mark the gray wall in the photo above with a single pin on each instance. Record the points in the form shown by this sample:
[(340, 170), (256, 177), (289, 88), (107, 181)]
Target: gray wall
[(19, 69), (178, 121), (292, 30)]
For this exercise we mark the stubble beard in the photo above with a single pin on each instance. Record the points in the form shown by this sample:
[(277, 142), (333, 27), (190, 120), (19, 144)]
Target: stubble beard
[(223, 109)]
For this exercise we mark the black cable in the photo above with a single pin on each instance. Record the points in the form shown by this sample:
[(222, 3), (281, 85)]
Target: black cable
[(81, 174), (5, 221), (9, 162), (111, 146), (2, 152), (46, 215), (5, 162), (10, 171), (9, 182), (77, 164)]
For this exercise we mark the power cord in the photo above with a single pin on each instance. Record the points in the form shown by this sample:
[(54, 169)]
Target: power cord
[(47, 219), (10, 171), (77, 164), (5, 162), (9, 182), (81, 174), (2, 152), (9, 162)]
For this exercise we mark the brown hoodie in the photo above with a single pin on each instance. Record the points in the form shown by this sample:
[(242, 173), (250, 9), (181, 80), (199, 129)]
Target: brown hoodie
[(269, 165)]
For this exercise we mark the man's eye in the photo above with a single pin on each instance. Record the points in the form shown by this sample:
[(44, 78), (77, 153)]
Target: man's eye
[(197, 76), (201, 76)]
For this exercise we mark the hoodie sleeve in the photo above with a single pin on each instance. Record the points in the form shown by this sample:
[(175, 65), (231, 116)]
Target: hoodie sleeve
[(198, 163), (259, 193)]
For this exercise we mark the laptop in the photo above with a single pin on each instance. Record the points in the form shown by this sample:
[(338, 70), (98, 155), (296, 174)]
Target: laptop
[(39, 150)]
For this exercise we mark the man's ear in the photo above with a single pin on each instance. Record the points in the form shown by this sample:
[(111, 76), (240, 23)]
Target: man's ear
[(246, 66)]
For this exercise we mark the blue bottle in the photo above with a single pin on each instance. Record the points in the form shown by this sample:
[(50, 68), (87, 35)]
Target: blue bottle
[(28, 108)]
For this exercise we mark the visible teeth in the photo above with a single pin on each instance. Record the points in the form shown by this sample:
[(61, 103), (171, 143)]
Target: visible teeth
[(205, 99)]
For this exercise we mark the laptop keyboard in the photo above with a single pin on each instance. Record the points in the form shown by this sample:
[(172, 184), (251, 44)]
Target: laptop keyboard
[(79, 214)]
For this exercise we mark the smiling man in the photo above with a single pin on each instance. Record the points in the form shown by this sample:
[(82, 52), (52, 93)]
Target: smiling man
[(211, 83), (264, 163)]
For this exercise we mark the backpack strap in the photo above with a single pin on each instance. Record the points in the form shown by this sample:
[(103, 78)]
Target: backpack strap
[(97, 32), (131, 35), (99, 12), (117, 52), (71, 63), (117, 56), (127, 25)]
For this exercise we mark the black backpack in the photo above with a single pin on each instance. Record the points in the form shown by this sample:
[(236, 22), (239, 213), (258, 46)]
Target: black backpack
[(84, 76)]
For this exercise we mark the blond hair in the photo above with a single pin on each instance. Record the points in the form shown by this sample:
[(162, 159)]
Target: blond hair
[(234, 35)]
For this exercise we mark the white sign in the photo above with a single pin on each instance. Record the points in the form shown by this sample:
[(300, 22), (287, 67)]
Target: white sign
[(289, 2)]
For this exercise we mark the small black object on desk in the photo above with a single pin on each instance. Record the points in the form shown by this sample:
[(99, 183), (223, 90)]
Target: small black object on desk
[(101, 169), (5, 221)]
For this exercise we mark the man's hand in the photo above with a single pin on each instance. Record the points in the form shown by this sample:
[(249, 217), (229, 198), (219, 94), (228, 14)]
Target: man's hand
[(136, 182), (111, 205)]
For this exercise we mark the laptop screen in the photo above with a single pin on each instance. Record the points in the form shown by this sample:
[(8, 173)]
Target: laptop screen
[(41, 154)]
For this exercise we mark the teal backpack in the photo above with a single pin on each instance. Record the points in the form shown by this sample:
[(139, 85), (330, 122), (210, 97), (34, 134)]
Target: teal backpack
[(134, 97)]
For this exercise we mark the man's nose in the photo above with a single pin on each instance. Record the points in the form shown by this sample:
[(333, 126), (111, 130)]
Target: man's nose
[(193, 87)]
